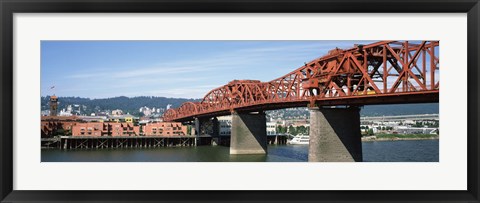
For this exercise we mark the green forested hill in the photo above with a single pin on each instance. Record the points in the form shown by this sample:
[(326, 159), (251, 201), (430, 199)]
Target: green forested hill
[(127, 104), (400, 109), (132, 105)]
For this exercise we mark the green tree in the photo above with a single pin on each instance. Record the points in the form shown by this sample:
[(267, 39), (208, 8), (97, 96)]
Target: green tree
[(281, 129), (370, 131), (301, 130), (292, 130)]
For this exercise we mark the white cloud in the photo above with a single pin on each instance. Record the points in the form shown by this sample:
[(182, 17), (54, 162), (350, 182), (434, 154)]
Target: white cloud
[(215, 62), (192, 75), (187, 92)]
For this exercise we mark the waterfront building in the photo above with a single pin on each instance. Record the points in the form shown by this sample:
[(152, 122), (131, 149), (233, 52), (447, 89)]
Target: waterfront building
[(165, 129), (414, 130), (94, 129), (271, 128), (123, 129), (57, 125), (105, 129), (225, 125)]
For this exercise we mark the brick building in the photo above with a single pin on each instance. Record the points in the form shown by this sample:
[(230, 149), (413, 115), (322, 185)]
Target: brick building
[(105, 129), (123, 129), (74, 126), (165, 129), (94, 129), (57, 125)]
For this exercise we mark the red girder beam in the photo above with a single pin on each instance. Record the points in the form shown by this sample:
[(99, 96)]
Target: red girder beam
[(342, 77)]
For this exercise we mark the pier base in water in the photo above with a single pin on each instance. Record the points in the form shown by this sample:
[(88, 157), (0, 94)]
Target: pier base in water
[(249, 133), (335, 135)]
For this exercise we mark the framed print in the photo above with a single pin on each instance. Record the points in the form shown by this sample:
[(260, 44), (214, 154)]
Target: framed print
[(239, 101)]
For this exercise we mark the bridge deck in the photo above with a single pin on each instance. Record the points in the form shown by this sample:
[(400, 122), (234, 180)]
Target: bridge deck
[(385, 72)]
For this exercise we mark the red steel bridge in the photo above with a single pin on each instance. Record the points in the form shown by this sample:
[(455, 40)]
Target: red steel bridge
[(385, 72)]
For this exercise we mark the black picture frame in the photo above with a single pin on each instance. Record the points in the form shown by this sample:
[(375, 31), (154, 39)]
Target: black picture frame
[(10, 7)]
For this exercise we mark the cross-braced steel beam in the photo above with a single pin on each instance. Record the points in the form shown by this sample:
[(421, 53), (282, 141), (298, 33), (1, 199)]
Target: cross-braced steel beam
[(381, 72)]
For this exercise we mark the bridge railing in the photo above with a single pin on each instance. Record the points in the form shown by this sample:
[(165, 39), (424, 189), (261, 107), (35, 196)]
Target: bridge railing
[(382, 68)]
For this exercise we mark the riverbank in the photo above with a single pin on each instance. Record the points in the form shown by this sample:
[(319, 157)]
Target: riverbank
[(395, 137)]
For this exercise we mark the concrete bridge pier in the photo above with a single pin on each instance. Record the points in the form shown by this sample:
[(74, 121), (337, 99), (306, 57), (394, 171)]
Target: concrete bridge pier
[(335, 135), (215, 127), (198, 124), (215, 131), (249, 133)]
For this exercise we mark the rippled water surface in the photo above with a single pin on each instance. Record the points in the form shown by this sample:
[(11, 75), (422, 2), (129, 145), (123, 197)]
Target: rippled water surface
[(381, 151)]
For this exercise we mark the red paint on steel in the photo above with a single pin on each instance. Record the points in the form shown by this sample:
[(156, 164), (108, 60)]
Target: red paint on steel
[(381, 72)]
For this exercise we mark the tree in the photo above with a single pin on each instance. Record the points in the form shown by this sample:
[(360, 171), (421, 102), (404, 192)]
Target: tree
[(292, 130), (370, 131), (281, 129), (301, 130)]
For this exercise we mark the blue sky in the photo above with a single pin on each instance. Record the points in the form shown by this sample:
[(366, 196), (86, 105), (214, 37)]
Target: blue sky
[(179, 69)]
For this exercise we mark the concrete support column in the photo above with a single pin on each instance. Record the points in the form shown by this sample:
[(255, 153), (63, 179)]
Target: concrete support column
[(335, 135), (249, 133), (197, 126)]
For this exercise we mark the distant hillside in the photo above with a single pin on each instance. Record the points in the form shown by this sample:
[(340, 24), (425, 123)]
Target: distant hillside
[(400, 109), (127, 104), (133, 104), (372, 110)]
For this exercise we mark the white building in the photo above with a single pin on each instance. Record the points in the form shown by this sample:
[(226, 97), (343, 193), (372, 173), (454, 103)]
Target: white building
[(412, 130), (225, 124), (65, 113), (271, 128), (117, 112)]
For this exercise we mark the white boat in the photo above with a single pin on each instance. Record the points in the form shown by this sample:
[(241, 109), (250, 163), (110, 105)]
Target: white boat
[(300, 139)]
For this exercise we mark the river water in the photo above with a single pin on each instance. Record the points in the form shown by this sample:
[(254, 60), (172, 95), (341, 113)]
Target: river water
[(379, 151)]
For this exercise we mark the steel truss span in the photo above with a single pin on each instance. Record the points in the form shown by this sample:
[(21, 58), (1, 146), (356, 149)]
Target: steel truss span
[(384, 72)]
